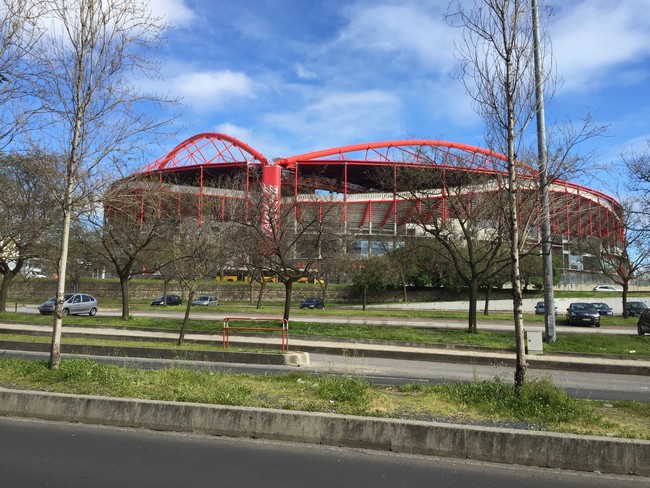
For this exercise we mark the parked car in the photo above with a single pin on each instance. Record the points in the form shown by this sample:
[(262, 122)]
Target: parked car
[(540, 308), (312, 302), (606, 288), (171, 300), (603, 308), (582, 313), (206, 301), (634, 309), (643, 325), (73, 304)]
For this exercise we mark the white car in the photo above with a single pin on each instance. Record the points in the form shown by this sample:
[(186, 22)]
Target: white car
[(606, 288)]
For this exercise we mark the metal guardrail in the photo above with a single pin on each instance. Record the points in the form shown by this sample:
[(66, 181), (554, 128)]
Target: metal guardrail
[(283, 329)]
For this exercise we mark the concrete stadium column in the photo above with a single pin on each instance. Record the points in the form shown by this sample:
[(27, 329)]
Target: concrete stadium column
[(271, 187)]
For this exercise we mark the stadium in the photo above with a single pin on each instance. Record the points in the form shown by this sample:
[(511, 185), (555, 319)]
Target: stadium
[(386, 191)]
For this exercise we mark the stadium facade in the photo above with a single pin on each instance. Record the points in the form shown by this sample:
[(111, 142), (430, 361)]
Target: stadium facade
[(374, 185)]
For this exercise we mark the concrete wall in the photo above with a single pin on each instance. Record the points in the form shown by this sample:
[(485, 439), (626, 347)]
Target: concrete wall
[(559, 451), (41, 289)]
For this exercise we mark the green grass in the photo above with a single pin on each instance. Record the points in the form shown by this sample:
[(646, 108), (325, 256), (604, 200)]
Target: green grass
[(624, 345), (539, 404)]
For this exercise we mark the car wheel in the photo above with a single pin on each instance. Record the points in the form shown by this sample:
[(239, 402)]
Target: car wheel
[(598, 324), (66, 312), (639, 329), (93, 312)]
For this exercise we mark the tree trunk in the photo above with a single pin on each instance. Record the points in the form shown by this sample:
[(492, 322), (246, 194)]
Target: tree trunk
[(165, 285), (57, 326), (364, 297), (288, 288), (4, 289), (260, 295), (124, 289), (473, 299), (486, 309), (186, 317), (517, 296), (404, 297), (626, 287)]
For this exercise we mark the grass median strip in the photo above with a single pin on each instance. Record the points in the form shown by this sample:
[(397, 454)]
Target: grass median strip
[(599, 343), (539, 406)]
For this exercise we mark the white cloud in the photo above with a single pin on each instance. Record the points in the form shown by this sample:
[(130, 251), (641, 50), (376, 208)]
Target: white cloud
[(303, 73), (418, 29), (173, 11), (340, 118), (207, 90), (241, 133), (593, 38)]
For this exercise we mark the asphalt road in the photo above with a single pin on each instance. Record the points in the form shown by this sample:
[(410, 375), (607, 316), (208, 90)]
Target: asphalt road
[(498, 326), (50, 454)]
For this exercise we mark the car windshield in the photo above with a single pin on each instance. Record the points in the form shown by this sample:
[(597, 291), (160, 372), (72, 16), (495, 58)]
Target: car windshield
[(638, 304), (203, 299)]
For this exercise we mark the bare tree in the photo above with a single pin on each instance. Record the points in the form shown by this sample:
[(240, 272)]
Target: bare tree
[(128, 225), (497, 60), (463, 218), (198, 251), (626, 254), (19, 33), (638, 166), (291, 236), (94, 114), (28, 215)]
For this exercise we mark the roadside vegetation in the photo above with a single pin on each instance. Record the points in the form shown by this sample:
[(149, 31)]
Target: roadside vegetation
[(623, 345), (539, 406)]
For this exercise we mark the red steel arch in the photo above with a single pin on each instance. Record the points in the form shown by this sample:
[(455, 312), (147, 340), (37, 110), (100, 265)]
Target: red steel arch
[(207, 148), (407, 151), (584, 211)]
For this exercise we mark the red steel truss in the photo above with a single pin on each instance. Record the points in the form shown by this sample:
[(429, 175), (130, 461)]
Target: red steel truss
[(577, 211), (205, 149)]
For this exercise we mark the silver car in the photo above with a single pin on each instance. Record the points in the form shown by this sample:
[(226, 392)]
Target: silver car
[(73, 304), (206, 301)]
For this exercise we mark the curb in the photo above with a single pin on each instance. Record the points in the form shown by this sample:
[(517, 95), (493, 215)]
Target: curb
[(284, 359), (509, 446)]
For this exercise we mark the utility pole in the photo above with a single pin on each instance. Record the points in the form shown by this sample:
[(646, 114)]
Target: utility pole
[(547, 258)]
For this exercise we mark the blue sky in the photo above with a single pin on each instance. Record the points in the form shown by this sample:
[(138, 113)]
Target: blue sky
[(293, 76)]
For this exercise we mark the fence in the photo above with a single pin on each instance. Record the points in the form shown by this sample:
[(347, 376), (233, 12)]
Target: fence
[(283, 329)]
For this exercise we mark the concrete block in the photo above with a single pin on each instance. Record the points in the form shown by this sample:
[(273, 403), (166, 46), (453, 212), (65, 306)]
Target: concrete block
[(506, 446), (106, 411), (428, 439), (224, 420), (164, 416), (288, 426), (348, 431), (590, 453), (296, 359), (642, 458)]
